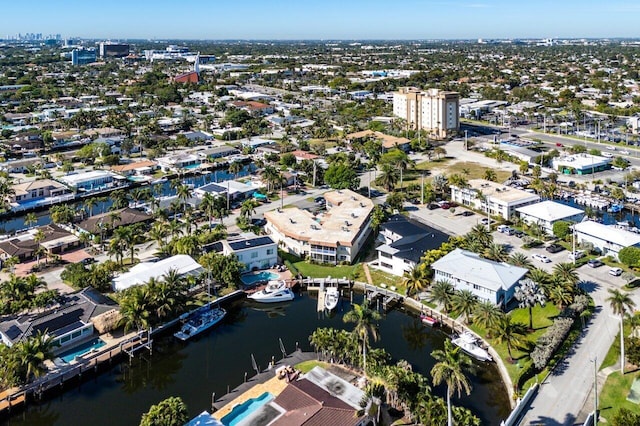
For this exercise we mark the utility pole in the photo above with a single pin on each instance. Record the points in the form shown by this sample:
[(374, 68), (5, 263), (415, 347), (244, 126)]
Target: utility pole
[(465, 141), (595, 390), (422, 188)]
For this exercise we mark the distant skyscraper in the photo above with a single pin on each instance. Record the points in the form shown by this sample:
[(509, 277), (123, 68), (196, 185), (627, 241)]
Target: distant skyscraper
[(433, 110), (83, 56), (113, 50)]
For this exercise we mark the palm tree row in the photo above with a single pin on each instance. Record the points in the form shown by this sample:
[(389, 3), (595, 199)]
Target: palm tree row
[(25, 360), (23, 293)]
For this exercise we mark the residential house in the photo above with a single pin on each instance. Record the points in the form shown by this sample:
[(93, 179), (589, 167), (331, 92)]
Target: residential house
[(488, 280), (69, 323), (499, 200), (142, 272), (140, 168), (255, 252), (23, 246), (218, 152), (237, 191), (404, 242), (94, 180), (388, 142), (108, 221), (179, 162), (332, 237), (546, 213), (38, 193)]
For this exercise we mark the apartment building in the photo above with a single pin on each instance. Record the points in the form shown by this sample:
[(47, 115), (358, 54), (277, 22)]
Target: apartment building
[(331, 237), (498, 199), (433, 110)]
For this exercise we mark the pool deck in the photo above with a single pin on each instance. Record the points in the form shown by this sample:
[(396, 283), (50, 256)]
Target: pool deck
[(259, 384)]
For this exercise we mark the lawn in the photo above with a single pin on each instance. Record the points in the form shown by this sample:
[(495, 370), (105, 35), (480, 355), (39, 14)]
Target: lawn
[(309, 269), (613, 395), (613, 356), (542, 318), (307, 366), (472, 170)]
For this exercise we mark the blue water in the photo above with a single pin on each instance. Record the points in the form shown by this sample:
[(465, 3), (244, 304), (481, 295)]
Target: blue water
[(192, 166), (82, 349), (241, 411), (249, 279)]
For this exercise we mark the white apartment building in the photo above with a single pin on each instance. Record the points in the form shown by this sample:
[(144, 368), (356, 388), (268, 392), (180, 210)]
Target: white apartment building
[(332, 237), (433, 110), (547, 213), (497, 199), (608, 238)]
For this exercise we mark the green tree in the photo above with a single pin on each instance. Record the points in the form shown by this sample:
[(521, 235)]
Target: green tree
[(170, 412), (620, 303), (561, 229), (528, 293), (442, 294), (30, 219), (341, 176), (414, 280), (32, 354), (450, 368), (487, 315), (365, 325), (464, 302), (629, 256), (509, 332)]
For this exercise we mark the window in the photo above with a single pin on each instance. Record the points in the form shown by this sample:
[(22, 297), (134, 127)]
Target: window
[(254, 254), (269, 251)]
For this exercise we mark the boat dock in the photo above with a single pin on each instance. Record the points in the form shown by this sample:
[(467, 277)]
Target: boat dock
[(315, 284), (383, 298)]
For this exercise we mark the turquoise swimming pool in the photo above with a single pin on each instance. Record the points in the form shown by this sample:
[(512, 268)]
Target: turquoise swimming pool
[(253, 278), (242, 411), (89, 346)]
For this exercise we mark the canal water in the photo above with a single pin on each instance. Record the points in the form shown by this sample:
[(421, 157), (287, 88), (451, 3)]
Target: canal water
[(219, 359), (164, 189)]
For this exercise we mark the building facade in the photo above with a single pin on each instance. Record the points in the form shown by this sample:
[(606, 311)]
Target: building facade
[(113, 50), (433, 110), (254, 252), (546, 213), (609, 239), (492, 198), (83, 56)]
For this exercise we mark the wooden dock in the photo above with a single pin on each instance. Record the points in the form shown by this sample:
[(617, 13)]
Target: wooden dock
[(381, 298), (315, 284)]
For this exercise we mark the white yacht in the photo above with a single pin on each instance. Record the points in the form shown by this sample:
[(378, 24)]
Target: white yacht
[(331, 298), (274, 292), (199, 321), (469, 344)]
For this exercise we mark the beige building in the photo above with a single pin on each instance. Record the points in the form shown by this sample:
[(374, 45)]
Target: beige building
[(433, 110), (499, 199), (334, 236)]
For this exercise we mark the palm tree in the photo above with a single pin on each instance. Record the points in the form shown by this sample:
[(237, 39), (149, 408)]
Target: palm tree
[(389, 177), (450, 368), (158, 233), (480, 234), (364, 319), (207, 206), (133, 309), (414, 280), (442, 294), (30, 219), (248, 208), (508, 332), (487, 315), (90, 203), (620, 303), (567, 273), (38, 237), (528, 293), (235, 168), (521, 260), (497, 252), (184, 193), (33, 352), (464, 302), (491, 175)]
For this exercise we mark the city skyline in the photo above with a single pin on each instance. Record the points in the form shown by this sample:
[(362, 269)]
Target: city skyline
[(331, 19)]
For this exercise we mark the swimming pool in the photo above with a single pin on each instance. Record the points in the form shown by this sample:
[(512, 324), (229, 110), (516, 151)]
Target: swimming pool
[(89, 346), (249, 279), (242, 411)]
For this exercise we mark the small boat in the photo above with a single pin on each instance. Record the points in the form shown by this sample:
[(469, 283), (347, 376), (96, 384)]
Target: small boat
[(469, 344), (274, 292), (161, 180), (331, 298), (199, 321), (429, 320)]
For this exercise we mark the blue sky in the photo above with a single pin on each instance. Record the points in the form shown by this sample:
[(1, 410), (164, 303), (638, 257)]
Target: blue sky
[(322, 19)]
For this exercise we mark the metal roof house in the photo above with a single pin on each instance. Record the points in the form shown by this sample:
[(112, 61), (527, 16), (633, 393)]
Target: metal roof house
[(489, 280), (143, 272), (609, 239)]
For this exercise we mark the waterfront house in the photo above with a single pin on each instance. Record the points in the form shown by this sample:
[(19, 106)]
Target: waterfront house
[(499, 199), (23, 246), (140, 168), (29, 192), (238, 191), (253, 251), (108, 221), (332, 237), (609, 239), (404, 243), (93, 180), (488, 280), (69, 322), (21, 166), (179, 163), (141, 273), (546, 213), (218, 152)]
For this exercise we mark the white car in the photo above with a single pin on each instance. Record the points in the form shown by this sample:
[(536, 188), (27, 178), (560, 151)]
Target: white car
[(607, 154), (625, 152), (616, 272), (541, 257), (612, 148)]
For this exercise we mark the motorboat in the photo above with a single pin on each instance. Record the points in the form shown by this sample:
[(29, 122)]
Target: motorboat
[(429, 320), (163, 179), (331, 298), (274, 292), (199, 321), (469, 344)]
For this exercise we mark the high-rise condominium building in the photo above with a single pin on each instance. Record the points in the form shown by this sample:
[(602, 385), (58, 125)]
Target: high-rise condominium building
[(113, 50), (433, 110)]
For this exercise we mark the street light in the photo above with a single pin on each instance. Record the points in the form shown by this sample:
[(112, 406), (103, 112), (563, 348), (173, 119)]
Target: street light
[(595, 389)]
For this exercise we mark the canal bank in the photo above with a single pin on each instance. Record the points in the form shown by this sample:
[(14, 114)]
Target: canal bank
[(218, 361)]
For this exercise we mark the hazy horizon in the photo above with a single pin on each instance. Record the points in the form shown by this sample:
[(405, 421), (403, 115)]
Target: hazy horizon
[(286, 20)]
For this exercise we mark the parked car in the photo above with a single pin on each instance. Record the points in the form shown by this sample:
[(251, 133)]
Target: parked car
[(88, 261), (486, 221), (595, 263), (433, 206), (616, 272), (518, 234), (575, 255), (505, 229), (541, 257), (554, 248), (467, 213)]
